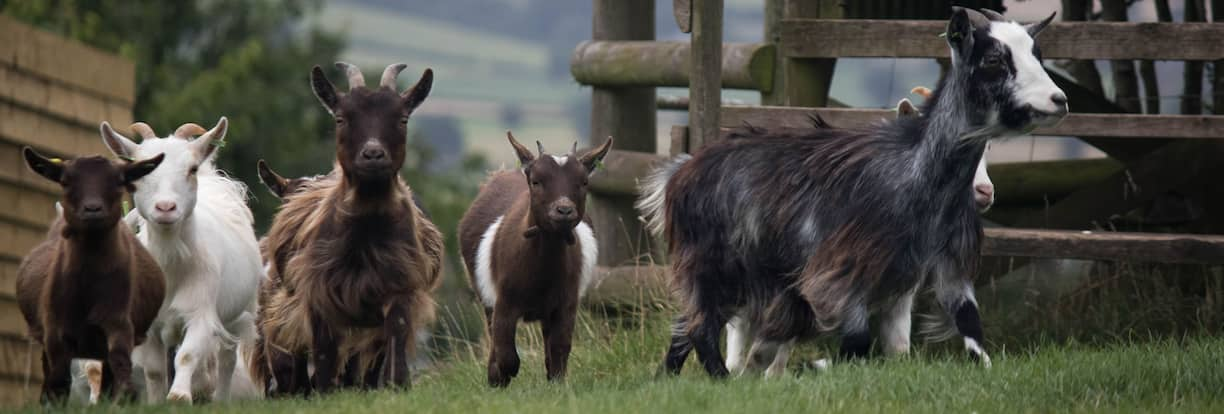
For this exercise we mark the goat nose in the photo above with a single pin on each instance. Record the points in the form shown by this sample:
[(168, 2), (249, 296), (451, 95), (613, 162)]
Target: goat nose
[(1059, 98), (373, 153), (984, 189), (92, 207), (165, 206), (565, 210)]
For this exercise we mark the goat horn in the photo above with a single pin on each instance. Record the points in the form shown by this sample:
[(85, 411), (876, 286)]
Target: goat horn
[(574, 150), (540, 147), (144, 130), (355, 78), (189, 130), (389, 75), (994, 16), (921, 91)]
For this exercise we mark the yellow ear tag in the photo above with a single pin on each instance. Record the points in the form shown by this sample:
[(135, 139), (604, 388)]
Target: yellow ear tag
[(57, 161)]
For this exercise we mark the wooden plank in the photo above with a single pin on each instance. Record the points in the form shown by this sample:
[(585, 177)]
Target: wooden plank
[(63, 102), (649, 63), (1129, 247), (705, 67), (629, 284), (17, 240), (682, 10), (34, 209), (811, 38), (12, 324), (72, 63), (628, 114), (15, 173), (8, 278), (1082, 125), (15, 354), (22, 125), (621, 171)]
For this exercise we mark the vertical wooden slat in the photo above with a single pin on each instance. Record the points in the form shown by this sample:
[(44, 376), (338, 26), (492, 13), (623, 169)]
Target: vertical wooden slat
[(627, 115), (705, 79)]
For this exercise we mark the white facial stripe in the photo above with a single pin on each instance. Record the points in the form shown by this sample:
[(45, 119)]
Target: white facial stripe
[(484, 265), (590, 254), (1032, 85), (561, 160)]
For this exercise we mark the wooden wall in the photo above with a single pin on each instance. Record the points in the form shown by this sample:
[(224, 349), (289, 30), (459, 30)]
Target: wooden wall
[(53, 94)]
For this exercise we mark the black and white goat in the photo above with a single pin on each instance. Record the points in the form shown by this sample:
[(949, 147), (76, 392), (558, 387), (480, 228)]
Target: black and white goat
[(815, 232)]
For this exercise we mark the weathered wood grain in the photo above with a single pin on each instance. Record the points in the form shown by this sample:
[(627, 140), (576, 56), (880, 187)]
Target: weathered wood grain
[(811, 38), (1082, 125), (1129, 247), (644, 63)]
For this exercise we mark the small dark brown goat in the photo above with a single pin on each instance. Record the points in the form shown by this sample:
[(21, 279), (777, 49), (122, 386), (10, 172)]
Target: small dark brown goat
[(530, 253), (90, 290), (352, 262)]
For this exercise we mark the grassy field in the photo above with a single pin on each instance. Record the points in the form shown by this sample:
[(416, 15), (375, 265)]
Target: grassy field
[(612, 371)]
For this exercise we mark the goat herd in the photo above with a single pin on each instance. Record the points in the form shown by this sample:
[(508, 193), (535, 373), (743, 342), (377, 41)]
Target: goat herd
[(777, 233)]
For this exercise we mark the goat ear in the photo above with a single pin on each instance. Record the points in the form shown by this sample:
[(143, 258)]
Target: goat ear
[(118, 144), (207, 144), (324, 89), (905, 109), (417, 93), (272, 180), (592, 158), (960, 29), (137, 170), (51, 169), (1035, 28), (524, 155)]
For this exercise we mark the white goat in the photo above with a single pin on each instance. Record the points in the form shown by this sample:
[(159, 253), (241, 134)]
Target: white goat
[(196, 223)]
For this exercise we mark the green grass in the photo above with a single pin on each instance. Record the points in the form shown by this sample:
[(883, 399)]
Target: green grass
[(612, 371)]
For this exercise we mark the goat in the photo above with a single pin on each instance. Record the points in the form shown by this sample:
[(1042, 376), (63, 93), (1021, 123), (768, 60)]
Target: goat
[(352, 261), (89, 290), (196, 223), (739, 330), (746, 237), (530, 252)]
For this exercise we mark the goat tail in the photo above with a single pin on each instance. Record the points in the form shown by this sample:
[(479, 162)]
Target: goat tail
[(257, 363), (653, 190)]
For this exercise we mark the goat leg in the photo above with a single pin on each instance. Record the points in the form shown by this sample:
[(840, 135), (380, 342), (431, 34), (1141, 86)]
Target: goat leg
[(856, 335), (57, 375), (558, 332), (119, 338), (678, 350), (503, 356), (398, 330), (325, 351)]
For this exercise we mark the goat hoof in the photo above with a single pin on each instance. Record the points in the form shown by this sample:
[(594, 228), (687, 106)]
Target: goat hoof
[(176, 397)]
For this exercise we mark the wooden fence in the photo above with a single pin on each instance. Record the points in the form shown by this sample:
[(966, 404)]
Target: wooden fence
[(53, 94), (1151, 154)]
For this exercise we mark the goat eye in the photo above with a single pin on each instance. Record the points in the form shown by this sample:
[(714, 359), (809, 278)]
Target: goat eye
[(404, 121), (535, 183), (339, 121), (992, 61), (193, 170)]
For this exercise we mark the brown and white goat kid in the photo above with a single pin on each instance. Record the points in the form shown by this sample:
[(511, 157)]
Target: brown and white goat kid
[(353, 261), (530, 253), (90, 290)]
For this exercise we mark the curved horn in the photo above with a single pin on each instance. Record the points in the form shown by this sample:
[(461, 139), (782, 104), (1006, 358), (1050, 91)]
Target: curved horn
[(144, 130), (389, 75), (189, 130), (355, 78), (1035, 28), (994, 16), (540, 147)]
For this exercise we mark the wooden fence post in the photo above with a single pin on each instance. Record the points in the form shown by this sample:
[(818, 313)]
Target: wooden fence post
[(799, 82), (628, 115), (705, 74)]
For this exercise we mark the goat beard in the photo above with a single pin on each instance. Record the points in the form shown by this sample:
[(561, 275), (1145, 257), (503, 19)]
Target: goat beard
[(534, 231)]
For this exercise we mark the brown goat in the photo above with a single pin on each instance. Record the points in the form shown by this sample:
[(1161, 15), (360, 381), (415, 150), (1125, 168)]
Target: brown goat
[(530, 253), (352, 260), (90, 290)]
